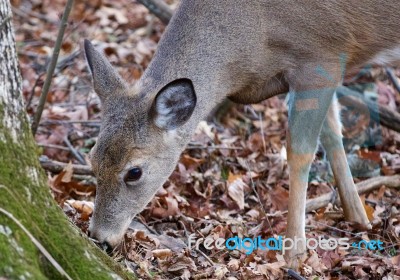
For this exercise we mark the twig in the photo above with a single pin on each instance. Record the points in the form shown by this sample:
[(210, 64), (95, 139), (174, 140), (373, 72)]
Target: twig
[(57, 167), (205, 256), (67, 61), (28, 14), (74, 152), (324, 225), (52, 66), (51, 146), (43, 250), (32, 94), (253, 186), (393, 78), (32, 54), (159, 9), (262, 133), (362, 187)]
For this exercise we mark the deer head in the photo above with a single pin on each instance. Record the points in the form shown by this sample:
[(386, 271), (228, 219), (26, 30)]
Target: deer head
[(138, 145)]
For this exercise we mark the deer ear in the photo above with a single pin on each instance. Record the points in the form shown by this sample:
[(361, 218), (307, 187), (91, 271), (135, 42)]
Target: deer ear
[(106, 81), (174, 104)]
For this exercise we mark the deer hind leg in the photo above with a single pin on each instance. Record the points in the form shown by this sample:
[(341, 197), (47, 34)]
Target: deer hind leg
[(309, 100), (331, 140)]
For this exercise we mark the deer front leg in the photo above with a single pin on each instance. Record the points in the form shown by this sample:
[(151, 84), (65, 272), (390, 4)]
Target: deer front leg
[(308, 105), (331, 140)]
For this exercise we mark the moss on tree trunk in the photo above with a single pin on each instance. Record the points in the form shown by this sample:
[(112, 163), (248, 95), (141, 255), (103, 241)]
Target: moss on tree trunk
[(24, 194)]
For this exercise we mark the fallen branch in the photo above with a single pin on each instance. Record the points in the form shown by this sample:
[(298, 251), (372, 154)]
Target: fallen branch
[(385, 116), (57, 167), (362, 187), (159, 9)]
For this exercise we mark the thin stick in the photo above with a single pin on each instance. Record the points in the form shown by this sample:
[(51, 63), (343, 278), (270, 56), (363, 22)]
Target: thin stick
[(393, 78), (159, 9), (32, 94), (52, 66), (253, 186), (205, 256), (262, 133), (74, 152), (38, 245), (52, 146)]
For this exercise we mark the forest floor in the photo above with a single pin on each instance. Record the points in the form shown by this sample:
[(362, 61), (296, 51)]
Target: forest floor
[(232, 180)]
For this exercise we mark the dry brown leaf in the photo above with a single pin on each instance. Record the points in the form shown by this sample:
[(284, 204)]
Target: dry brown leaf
[(315, 262), (236, 192), (234, 264), (190, 162), (273, 269), (162, 253), (370, 212), (220, 271), (85, 208), (279, 198), (67, 175), (232, 177), (143, 236), (253, 213), (182, 262)]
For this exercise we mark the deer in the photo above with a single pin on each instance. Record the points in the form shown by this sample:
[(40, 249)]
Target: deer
[(245, 51)]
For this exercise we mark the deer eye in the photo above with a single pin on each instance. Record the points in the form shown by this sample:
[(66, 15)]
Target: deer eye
[(133, 174)]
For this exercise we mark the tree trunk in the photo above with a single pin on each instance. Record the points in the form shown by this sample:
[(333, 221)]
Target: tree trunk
[(24, 194)]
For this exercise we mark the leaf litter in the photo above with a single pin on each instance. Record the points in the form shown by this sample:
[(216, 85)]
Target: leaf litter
[(233, 178)]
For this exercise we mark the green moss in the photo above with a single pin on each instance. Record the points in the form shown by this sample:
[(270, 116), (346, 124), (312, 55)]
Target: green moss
[(30, 202)]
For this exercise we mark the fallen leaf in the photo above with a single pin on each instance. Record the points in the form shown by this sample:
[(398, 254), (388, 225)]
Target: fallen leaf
[(68, 172), (236, 192), (162, 253)]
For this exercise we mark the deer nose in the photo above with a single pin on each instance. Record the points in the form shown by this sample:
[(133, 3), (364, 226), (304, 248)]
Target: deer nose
[(103, 244), (94, 234)]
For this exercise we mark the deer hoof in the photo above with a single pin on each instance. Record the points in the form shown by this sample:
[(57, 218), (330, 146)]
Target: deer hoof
[(295, 258)]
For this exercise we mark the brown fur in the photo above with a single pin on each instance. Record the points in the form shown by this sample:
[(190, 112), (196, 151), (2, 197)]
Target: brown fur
[(247, 51)]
